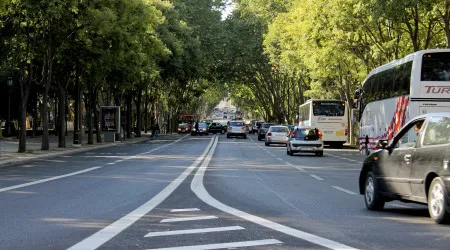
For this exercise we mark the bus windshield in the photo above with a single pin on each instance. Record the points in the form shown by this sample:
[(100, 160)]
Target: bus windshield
[(436, 67), (327, 108)]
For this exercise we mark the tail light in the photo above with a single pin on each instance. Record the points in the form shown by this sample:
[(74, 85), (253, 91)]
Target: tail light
[(319, 133), (346, 130), (293, 134), (269, 134)]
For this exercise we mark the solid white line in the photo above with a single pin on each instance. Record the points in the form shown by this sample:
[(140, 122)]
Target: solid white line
[(344, 190), (279, 159), (225, 245), (316, 177), (299, 168), (199, 189), (184, 210), (194, 231), (188, 219), (107, 233), (111, 163), (48, 179)]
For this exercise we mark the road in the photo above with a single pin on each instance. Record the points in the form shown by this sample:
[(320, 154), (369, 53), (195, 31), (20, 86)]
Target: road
[(205, 192)]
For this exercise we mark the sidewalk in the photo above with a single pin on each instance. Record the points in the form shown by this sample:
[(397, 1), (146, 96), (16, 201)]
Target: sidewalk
[(9, 147)]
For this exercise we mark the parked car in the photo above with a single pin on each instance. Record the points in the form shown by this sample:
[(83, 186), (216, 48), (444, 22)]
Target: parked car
[(184, 128), (254, 126), (202, 129), (305, 139), (277, 135), (263, 130), (216, 127), (412, 167), (236, 128)]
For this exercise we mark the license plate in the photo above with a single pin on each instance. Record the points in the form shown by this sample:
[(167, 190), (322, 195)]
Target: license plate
[(306, 148), (340, 133)]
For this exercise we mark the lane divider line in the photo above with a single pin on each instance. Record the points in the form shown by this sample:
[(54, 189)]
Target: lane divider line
[(188, 219), (225, 245), (96, 240), (199, 189), (316, 177), (48, 179), (184, 210), (344, 190), (194, 231)]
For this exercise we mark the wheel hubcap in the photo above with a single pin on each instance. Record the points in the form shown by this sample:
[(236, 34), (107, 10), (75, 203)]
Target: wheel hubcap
[(369, 190), (437, 200)]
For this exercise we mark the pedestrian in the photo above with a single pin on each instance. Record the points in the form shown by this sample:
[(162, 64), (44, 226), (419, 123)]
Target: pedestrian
[(156, 130), (152, 128)]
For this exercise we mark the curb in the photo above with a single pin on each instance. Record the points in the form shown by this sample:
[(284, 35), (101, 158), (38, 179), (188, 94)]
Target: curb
[(10, 162)]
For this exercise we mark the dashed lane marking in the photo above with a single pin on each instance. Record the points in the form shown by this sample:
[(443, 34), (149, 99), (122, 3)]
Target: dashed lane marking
[(194, 231), (226, 245), (316, 177), (188, 219), (344, 190)]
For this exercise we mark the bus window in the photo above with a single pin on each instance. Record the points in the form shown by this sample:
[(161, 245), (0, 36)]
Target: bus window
[(328, 108), (436, 67)]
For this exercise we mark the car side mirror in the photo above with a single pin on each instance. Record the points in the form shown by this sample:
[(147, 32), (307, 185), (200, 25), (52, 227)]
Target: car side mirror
[(383, 144)]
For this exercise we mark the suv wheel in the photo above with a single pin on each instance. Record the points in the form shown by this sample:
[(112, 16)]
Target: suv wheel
[(371, 194), (437, 201)]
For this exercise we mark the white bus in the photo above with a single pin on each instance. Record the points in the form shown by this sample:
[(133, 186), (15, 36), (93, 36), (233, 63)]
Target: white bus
[(329, 116), (400, 90)]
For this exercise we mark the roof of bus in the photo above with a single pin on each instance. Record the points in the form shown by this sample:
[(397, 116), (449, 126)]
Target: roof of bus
[(405, 59), (331, 100)]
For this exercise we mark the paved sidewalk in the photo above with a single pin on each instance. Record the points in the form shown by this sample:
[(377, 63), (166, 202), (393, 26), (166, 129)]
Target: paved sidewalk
[(9, 147)]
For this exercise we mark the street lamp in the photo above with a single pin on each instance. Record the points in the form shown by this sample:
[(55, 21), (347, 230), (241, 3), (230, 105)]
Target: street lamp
[(8, 122)]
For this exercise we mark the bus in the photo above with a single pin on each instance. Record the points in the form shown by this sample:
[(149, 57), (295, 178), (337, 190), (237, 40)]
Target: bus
[(398, 91), (329, 116)]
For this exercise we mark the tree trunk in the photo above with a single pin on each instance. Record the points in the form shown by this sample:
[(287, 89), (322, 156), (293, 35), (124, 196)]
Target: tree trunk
[(35, 115), (45, 145), (129, 115), (77, 120), (61, 117), (138, 114), (90, 123), (96, 120), (146, 112)]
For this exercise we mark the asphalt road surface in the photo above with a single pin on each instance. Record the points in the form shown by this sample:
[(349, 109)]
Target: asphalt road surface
[(204, 192)]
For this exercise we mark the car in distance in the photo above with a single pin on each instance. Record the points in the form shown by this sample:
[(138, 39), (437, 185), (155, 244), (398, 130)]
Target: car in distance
[(202, 129), (254, 126), (263, 130), (413, 167), (277, 135), (236, 128), (216, 127), (305, 139)]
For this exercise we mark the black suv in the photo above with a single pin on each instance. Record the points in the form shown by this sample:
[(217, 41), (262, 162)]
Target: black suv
[(216, 127), (414, 167), (263, 130)]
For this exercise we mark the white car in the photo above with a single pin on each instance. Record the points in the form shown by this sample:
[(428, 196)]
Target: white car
[(277, 135), (305, 140)]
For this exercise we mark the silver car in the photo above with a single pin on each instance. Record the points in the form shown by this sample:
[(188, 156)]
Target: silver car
[(277, 135), (305, 140), (236, 128)]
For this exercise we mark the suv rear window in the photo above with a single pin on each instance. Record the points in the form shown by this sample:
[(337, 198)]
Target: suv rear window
[(280, 129), (236, 124), (307, 134)]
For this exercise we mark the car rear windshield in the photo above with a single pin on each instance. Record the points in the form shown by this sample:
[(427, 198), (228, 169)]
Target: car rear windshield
[(236, 124), (306, 134), (202, 125), (280, 129), (267, 125)]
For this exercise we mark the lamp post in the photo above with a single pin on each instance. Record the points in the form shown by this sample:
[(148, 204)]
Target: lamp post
[(8, 122)]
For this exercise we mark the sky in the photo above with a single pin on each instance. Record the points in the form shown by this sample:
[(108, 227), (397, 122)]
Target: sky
[(230, 7)]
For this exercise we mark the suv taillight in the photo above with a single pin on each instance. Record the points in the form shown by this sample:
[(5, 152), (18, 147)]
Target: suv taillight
[(293, 134), (269, 134)]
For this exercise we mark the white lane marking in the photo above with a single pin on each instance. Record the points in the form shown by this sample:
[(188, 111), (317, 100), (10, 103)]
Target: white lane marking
[(188, 219), (299, 168), (344, 190), (199, 189), (184, 210), (316, 177), (96, 240), (225, 245), (194, 231), (119, 161), (48, 179), (57, 161), (111, 163)]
